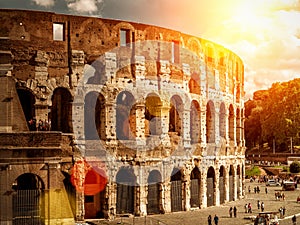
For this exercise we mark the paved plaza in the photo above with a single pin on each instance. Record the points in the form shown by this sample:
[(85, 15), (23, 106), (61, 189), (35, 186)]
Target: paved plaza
[(199, 216)]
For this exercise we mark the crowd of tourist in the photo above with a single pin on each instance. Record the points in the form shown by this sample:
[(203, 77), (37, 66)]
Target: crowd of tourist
[(41, 125)]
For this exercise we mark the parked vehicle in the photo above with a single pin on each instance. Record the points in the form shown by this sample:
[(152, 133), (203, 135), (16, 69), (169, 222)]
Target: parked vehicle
[(288, 186), (272, 183)]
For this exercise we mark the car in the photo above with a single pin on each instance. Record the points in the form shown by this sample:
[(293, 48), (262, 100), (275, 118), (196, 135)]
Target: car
[(272, 183), (288, 186)]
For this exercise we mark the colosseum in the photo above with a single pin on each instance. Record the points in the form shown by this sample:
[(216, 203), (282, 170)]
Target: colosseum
[(103, 117)]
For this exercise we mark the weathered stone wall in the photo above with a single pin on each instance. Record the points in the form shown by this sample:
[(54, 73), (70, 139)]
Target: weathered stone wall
[(168, 104)]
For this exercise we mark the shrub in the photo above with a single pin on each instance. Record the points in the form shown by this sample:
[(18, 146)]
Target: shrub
[(295, 167)]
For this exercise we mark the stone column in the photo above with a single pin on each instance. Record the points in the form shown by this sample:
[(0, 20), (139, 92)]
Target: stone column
[(235, 184), (203, 190), (227, 184), (217, 185), (165, 139), (187, 191), (140, 123), (186, 128), (110, 122)]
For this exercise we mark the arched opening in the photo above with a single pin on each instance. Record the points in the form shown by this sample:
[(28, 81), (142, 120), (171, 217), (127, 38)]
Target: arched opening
[(94, 193), (222, 189), (210, 122), (195, 122), (231, 183), (61, 110), (94, 116), (126, 182), (222, 121), (231, 123), (195, 187), (125, 114), (176, 190), (194, 84), (175, 115), (210, 185), (154, 192), (28, 203), (27, 100), (153, 115)]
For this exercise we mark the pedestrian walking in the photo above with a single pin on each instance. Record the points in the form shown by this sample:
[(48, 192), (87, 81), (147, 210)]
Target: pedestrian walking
[(249, 189), (283, 211), (216, 219), (246, 208), (249, 208), (262, 206), (209, 220), (266, 190), (258, 204), (294, 220), (230, 212), (234, 212)]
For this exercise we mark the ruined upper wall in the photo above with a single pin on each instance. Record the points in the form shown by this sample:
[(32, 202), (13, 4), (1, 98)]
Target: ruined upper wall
[(30, 34)]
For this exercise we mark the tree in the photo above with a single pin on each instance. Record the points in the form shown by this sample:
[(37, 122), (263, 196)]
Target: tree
[(295, 167)]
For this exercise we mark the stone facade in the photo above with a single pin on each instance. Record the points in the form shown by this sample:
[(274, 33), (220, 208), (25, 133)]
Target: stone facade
[(135, 119)]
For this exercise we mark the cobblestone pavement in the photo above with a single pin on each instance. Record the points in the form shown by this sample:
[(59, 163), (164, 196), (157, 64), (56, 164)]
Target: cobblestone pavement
[(199, 216)]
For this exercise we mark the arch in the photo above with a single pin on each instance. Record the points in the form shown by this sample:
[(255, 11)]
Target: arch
[(210, 122), (125, 116), (153, 115), (211, 186), (238, 126), (231, 123), (27, 100), (61, 110), (194, 45), (175, 114), (222, 120), (126, 182), (222, 179), (194, 84), (28, 204), (195, 187), (94, 194), (176, 190), (94, 116), (231, 183), (154, 192), (195, 122)]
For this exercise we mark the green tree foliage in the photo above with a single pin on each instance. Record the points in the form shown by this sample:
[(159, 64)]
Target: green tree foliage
[(295, 167), (274, 114)]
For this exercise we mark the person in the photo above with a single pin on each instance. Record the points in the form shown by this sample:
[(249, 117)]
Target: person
[(234, 211), (294, 220), (216, 219), (283, 211), (230, 212), (209, 220), (266, 190), (246, 208), (258, 204), (249, 208), (262, 206)]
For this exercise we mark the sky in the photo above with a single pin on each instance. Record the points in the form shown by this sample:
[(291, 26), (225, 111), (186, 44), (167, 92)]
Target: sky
[(264, 33)]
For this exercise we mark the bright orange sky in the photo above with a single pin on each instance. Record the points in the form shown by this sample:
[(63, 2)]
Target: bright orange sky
[(264, 33)]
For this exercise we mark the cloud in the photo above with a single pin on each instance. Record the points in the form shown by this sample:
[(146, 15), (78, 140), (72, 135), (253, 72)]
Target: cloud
[(85, 6), (44, 3)]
